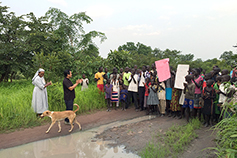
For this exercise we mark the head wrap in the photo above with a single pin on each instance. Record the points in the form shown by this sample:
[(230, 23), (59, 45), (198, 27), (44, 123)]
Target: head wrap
[(37, 73)]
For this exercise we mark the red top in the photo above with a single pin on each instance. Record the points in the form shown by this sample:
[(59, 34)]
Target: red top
[(146, 89)]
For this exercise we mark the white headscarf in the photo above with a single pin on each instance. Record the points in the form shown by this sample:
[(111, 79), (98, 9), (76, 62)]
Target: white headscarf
[(37, 73)]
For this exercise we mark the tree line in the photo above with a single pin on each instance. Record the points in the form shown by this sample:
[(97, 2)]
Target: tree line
[(57, 41)]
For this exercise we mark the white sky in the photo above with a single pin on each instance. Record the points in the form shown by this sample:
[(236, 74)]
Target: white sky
[(205, 28)]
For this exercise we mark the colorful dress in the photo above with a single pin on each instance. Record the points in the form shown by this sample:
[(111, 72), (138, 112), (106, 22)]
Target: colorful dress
[(174, 104), (152, 98), (114, 97)]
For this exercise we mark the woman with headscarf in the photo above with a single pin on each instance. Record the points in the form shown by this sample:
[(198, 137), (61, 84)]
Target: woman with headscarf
[(40, 98)]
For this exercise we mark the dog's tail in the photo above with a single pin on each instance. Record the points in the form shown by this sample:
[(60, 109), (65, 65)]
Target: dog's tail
[(77, 108)]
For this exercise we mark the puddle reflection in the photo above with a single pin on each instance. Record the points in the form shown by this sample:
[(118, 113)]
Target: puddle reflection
[(77, 145)]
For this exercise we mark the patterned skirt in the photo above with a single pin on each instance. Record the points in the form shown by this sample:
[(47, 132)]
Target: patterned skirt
[(114, 97), (174, 104)]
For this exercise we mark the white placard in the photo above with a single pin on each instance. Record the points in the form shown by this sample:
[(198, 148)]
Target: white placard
[(182, 71)]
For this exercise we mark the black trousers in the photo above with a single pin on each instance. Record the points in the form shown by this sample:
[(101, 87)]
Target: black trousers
[(134, 96), (69, 106), (141, 92)]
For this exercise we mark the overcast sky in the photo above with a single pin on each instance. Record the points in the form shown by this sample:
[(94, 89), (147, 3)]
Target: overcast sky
[(205, 28)]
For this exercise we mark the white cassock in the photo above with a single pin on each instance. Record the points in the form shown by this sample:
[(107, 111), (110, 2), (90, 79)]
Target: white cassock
[(40, 98)]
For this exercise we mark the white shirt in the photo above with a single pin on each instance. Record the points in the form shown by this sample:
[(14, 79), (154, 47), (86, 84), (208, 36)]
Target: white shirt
[(115, 85), (132, 85), (142, 80), (84, 84), (222, 97)]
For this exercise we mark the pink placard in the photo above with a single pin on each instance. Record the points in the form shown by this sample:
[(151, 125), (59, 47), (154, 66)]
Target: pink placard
[(163, 69)]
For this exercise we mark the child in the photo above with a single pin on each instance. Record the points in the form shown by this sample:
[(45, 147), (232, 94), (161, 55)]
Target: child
[(146, 85), (208, 95), (162, 97), (152, 100), (217, 111), (189, 90), (84, 83), (108, 93), (223, 90), (174, 104), (114, 98), (123, 96)]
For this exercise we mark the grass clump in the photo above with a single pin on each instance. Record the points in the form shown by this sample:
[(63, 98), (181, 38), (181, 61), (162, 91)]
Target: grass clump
[(15, 103), (172, 142)]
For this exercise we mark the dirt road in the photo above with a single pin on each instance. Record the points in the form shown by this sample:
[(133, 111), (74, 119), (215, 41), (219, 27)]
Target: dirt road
[(133, 136)]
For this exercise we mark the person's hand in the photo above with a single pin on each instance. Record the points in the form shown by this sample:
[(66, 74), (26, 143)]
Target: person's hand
[(78, 81)]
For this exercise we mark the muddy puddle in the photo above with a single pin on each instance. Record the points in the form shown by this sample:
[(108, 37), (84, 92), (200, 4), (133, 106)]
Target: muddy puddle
[(77, 145)]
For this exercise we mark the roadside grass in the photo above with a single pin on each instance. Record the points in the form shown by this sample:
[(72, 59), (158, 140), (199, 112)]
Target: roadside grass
[(172, 142), (15, 103)]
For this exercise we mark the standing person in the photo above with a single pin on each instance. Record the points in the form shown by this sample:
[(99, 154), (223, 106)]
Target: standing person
[(147, 84), (153, 71), (115, 92), (69, 91), (197, 80), (208, 95), (123, 97), (162, 97), (217, 111), (174, 103), (223, 91), (40, 97), (126, 76), (133, 88), (121, 78), (153, 100), (99, 78), (106, 75), (141, 88), (84, 83), (148, 74), (108, 93), (189, 91)]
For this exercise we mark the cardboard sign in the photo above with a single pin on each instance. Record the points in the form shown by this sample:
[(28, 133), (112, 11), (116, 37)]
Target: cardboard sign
[(182, 71), (163, 69)]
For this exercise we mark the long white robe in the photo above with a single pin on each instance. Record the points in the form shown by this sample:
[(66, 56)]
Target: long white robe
[(40, 98)]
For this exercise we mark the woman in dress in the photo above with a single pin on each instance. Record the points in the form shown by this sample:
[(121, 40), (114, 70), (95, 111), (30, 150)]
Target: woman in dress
[(40, 98)]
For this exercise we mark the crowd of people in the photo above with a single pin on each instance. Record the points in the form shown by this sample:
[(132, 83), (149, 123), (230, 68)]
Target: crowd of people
[(202, 97)]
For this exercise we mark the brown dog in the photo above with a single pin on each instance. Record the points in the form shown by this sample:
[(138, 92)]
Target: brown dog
[(60, 115)]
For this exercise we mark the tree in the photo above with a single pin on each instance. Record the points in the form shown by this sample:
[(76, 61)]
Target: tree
[(70, 28), (12, 50), (118, 59)]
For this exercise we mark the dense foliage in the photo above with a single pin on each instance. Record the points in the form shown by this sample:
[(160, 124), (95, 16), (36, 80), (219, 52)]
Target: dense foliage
[(57, 41), (226, 128)]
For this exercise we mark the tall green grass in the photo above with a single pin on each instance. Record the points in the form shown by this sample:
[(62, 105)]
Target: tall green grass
[(172, 142), (15, 103)]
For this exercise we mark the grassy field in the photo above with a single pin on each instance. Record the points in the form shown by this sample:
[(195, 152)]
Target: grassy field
[(15, 103)]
